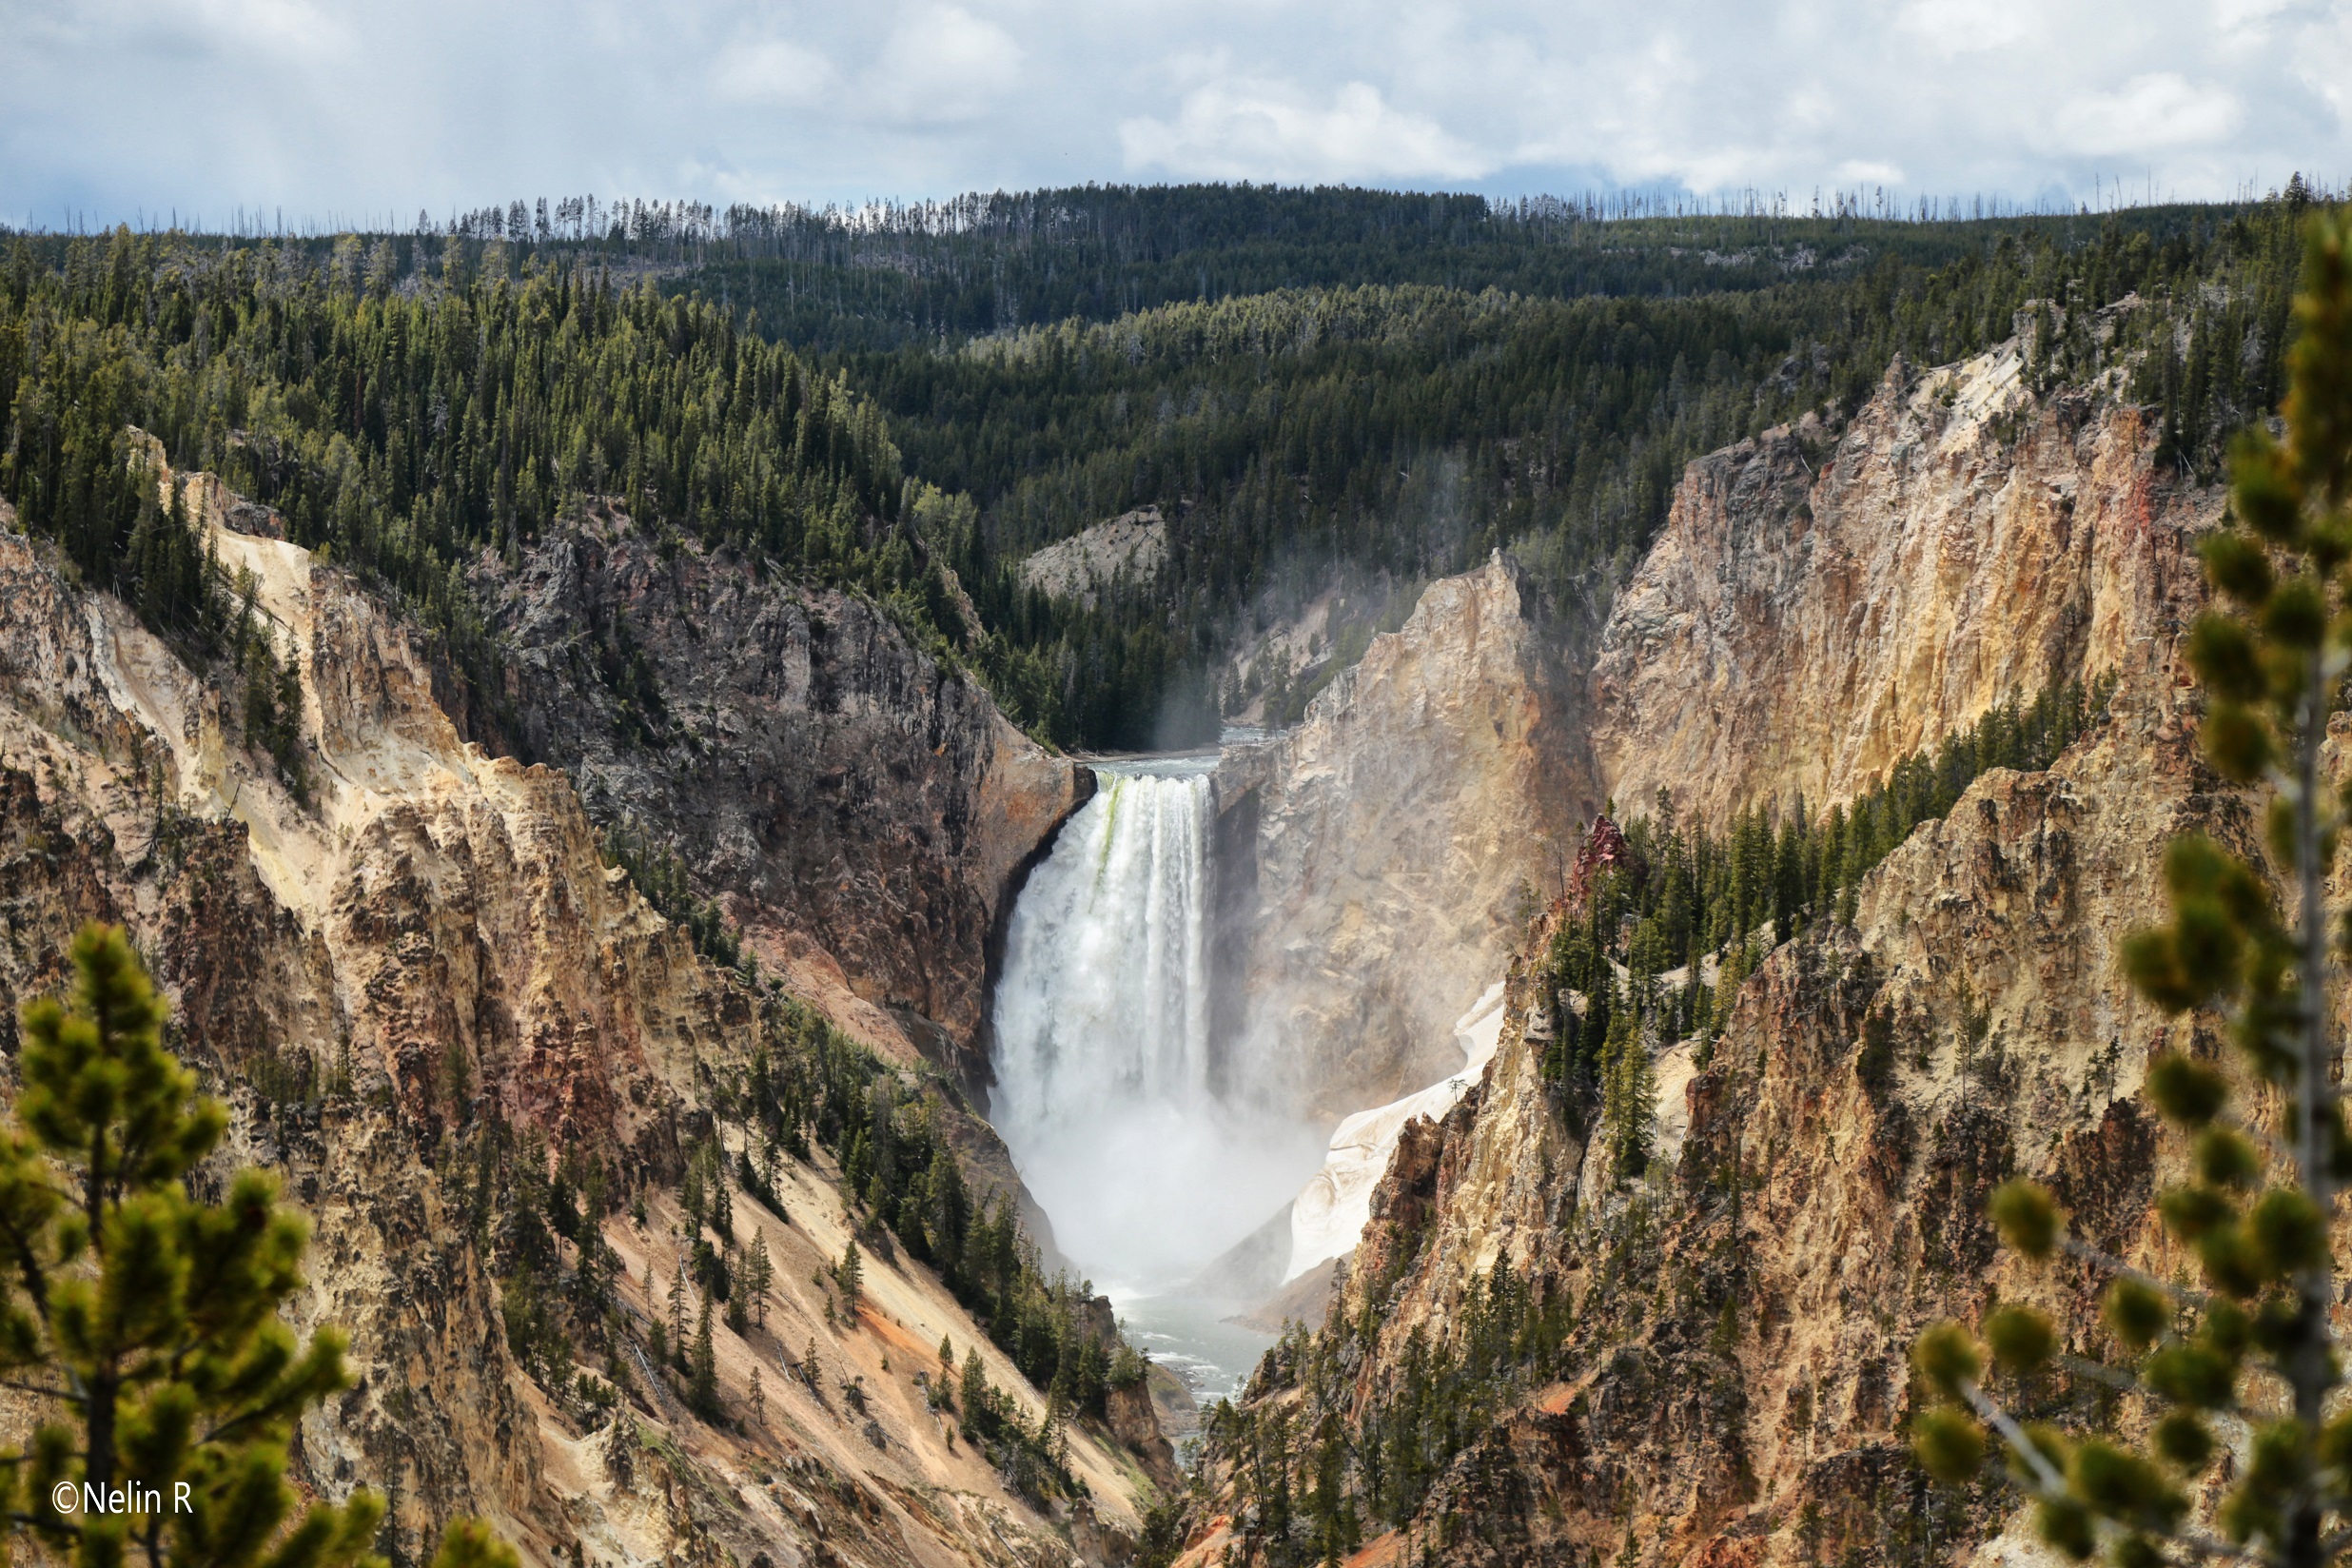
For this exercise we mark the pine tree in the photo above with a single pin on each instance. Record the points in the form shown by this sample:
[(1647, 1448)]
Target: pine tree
[(2255, 1351), (759, 1275), (721, 1193), (973, 1392), (678, 1313), (1629, 1095), (851, 1277), (144, 1325), (702, 1391), (757, 1398)]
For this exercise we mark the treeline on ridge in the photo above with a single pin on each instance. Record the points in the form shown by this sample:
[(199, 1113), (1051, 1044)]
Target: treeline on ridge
[(400, 429), (407, 401)]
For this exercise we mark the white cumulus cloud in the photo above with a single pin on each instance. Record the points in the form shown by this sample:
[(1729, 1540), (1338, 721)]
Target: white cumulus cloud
[(942, 64), (2160, 110), (1952, 28), (772, 71), (1260, 130)]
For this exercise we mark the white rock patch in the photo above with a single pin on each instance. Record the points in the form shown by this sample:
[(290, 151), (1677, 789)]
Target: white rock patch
[(1328, 1216)]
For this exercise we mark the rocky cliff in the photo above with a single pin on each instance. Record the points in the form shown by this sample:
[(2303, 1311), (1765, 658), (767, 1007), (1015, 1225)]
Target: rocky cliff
[(1401, 834), (1533, 1361), (421, 954), (856, 805), (1815, 608)]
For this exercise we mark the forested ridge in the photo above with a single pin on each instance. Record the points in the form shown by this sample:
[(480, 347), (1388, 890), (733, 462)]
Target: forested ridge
[(400, 428), (1407, 430), (1318, 386), (887, 274)]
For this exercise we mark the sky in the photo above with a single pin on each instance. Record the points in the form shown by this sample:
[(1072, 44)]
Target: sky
[(352, 112)]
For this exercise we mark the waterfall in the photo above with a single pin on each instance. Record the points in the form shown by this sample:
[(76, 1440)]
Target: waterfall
[(1103, 1088)]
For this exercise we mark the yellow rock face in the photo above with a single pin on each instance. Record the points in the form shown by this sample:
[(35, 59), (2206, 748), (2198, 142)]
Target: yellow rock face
[(1405, 830), (436, 930), (1734, 1383), (1815, 611)]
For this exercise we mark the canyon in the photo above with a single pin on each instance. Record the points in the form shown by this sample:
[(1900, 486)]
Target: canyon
[(421, 941), (856, 807)]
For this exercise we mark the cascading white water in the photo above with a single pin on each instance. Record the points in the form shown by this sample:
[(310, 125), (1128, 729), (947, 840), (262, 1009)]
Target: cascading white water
[(1103, 1067), (1104, 990)]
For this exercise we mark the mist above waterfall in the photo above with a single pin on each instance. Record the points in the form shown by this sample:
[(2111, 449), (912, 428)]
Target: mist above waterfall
[(1150, 1156)]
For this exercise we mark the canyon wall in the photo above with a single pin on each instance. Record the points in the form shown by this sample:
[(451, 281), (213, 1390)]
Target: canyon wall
[(1404, 833), (1733, 1383), (856, 806), (408, 945), (1715, 1369), (1816, 609)]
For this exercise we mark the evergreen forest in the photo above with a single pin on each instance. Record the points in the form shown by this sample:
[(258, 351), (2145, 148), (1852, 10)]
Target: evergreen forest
[(1314, 387)]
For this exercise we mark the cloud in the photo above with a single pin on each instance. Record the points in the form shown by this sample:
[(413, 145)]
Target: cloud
[(2247, 13), (941, 64), (1858, 174), (2146, 114), (1256, 130), (772, 70), (1953, 27), (332, 108)]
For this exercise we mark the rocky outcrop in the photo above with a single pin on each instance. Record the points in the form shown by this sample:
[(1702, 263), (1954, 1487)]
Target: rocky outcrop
[(422, 943), (1135, 1421), (1328, 1215), (1126, 550), (857, 806), (1816, 610), (1405, 831), (1870, 1088)]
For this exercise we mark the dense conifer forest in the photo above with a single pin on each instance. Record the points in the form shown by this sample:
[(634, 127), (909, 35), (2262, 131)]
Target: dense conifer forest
[(1313, 387), (402, 420)]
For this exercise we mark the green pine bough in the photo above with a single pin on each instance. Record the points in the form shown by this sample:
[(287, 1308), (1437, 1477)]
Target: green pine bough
[(145, 1328), (2247, 1364)]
